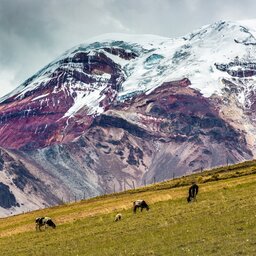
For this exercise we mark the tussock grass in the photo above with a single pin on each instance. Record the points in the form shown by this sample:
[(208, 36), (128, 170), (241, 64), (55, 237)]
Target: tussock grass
[(221, 222)]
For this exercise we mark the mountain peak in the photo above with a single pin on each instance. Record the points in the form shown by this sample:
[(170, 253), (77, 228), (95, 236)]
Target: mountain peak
[(144, 63), (223, 30)]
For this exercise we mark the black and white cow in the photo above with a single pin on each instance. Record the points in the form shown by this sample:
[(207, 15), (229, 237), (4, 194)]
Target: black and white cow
[(44, 221), (118, 217), (140, 204), (192, 192)]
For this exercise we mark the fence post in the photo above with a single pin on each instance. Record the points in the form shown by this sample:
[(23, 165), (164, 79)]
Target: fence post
[(124, 185), (133, 185)]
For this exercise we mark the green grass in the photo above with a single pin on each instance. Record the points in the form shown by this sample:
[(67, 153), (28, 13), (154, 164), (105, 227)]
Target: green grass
[(221, 222)]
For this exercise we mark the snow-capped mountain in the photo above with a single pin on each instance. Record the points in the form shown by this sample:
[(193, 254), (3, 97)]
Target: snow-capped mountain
[(121, 110), (212, 53)]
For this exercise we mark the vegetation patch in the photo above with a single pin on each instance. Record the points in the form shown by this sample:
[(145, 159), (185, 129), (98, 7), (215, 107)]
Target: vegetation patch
[(221, 222)]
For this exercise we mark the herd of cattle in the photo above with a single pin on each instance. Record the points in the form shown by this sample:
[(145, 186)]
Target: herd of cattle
[(48, 222)]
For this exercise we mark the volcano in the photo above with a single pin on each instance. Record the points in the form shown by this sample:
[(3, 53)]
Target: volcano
[(121, 111)]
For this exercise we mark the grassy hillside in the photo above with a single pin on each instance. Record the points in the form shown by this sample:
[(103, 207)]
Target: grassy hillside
[(221, 222)]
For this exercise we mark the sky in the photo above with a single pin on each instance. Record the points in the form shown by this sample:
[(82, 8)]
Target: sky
[(35, 32)]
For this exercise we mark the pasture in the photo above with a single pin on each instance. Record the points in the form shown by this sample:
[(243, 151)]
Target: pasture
[(221, 222)]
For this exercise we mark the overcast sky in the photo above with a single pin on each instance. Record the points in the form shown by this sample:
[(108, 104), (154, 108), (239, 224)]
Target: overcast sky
[(35, 32)]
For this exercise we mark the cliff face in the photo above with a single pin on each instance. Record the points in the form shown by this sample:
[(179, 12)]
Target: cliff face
[(39, 116), (114, 114), (23, 186)]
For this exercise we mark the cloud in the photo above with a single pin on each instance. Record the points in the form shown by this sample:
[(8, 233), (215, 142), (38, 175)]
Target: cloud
[(34, 32), (7, 78)]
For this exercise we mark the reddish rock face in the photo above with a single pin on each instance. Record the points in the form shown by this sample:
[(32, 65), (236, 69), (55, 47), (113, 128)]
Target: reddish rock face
[(173, 112), (37, 119), (32, 123)]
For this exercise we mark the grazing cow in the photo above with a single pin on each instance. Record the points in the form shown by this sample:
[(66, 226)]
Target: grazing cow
[(44, 221), (140, 204), (118, 217), (192, 192)]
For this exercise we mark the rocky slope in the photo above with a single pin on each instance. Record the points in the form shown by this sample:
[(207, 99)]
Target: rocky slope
[(121, 111)]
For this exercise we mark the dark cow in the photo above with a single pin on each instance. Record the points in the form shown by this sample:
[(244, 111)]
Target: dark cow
[(140, 204), (192, 192), (44, 221)]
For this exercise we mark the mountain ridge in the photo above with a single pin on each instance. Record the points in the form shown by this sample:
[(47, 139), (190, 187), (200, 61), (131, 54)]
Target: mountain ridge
[(113, 114)]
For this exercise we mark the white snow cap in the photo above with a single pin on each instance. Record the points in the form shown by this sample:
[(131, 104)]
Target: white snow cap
[(161, 59)]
